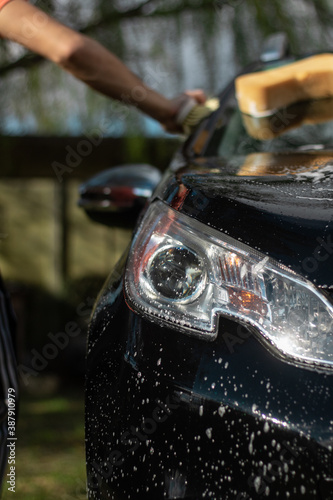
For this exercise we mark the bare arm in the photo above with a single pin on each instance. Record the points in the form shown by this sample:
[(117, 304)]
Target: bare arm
[(86, 59)]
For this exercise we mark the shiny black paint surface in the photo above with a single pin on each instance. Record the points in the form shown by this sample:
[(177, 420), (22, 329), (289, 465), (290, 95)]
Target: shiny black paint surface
[(230, 409), (288, 219)]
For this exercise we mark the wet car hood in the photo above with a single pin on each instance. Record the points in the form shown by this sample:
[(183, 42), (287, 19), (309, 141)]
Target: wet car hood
[(278, 203)]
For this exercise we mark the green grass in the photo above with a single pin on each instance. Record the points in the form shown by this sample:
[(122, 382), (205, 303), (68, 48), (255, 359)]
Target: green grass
[(50, 461)]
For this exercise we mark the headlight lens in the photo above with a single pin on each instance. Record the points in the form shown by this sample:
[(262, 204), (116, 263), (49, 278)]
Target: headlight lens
[(176, 273), (184, 274)]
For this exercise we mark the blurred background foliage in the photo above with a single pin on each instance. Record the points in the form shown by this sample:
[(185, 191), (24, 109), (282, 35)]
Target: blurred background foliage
[(172, 45)]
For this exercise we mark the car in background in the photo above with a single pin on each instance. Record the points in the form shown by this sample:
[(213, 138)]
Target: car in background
[(210, 352)]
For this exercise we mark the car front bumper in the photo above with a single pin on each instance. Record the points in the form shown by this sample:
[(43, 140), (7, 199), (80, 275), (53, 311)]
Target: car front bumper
[(171, 416)]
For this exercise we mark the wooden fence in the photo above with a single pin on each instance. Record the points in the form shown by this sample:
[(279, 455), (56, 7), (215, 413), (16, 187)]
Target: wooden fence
[(44, 237)]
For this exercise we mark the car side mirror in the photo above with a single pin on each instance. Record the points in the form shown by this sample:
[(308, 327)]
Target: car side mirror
[(116, 196)]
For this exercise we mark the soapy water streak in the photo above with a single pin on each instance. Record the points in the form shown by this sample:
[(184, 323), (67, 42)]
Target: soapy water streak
[(131, 440)]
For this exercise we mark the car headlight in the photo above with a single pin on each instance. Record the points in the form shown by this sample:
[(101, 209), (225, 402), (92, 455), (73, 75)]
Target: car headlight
[(185, 274)]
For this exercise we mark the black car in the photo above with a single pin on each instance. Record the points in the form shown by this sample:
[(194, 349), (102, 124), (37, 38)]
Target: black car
[(210, 353)]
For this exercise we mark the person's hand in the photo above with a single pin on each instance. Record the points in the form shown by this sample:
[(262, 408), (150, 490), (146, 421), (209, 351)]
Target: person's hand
[(177, 104)]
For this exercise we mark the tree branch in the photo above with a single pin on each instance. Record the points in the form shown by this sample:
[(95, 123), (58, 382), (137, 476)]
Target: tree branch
[(31, 60)]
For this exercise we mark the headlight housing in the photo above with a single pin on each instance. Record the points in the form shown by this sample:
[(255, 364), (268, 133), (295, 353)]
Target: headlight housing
[(185, 274)]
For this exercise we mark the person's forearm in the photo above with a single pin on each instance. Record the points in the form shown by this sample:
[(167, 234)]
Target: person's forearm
[(82, 56), (87, 60), (104, 72)]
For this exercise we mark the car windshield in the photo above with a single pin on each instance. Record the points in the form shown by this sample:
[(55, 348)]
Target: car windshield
[(302, 126)]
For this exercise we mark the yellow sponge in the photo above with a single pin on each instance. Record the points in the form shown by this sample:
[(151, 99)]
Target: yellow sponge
[(262, 93), (293, 116)]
